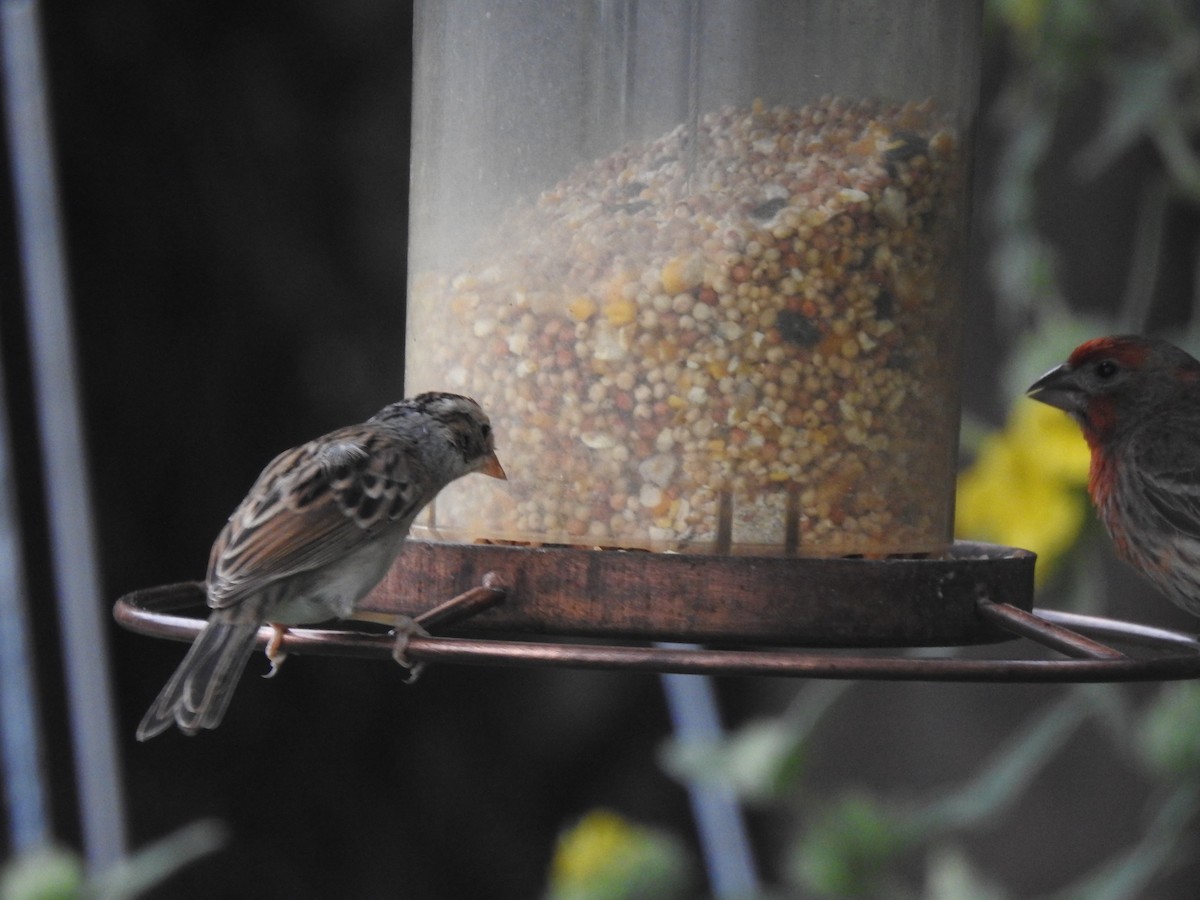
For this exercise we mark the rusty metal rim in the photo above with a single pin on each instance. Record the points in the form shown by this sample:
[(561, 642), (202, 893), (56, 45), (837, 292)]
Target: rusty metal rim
[(572, 593), (1079, 637)]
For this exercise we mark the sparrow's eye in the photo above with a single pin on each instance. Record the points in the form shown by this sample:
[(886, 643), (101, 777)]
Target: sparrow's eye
[(1106, 369), (485, 430)]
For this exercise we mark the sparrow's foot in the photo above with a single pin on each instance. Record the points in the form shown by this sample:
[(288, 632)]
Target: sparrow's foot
[(406, 628), (275, 652)]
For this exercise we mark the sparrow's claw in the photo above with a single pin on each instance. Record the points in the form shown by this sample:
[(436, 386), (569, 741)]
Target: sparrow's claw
[(275, 652), (406, 627)]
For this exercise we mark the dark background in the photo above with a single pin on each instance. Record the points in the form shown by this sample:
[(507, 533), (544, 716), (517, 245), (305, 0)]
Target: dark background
[(234, 180)]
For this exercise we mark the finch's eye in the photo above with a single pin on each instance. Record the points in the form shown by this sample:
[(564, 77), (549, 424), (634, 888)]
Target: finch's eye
[(485, 430), (1106, 369)]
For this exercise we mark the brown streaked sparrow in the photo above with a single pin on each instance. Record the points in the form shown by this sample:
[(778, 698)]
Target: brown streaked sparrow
[(318, 530)]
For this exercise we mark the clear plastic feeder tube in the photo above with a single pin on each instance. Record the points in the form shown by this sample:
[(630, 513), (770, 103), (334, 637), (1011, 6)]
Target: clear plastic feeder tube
[(703, 263)]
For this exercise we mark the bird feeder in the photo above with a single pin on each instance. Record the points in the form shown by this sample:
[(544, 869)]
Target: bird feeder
[(703, 262)]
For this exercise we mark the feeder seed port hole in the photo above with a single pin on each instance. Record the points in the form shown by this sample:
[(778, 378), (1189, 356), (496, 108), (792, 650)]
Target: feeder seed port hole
[(690, 614)]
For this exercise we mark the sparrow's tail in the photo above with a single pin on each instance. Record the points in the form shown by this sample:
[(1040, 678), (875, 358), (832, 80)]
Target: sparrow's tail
[(199, 692)]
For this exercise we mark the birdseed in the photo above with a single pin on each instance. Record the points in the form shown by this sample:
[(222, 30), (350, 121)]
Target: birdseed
[(761, 355)]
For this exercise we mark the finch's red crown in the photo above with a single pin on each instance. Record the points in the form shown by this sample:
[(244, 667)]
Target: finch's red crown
[(1128, 351)]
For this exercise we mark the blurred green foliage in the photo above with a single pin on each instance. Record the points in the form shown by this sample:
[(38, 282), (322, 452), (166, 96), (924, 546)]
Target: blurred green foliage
[(53, 873), (857, 843), (1143, 56)]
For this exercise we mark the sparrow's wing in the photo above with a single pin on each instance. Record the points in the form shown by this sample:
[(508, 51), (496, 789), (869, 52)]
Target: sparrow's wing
[(313, 505), (1166, 466)]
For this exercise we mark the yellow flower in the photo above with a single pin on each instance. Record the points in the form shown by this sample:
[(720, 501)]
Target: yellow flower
[(606, 857), (1026, 487), (1023, 16), (590, 847)]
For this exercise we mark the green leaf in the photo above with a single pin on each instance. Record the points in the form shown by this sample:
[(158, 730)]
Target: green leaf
[(1169, 740), (761, 760), (1140, 94), (48, 874), (1009, 772), (158, 861), (1023, 269), (847, 852), (764, 758), (950, 876), (1182, 164), (1131, 873)]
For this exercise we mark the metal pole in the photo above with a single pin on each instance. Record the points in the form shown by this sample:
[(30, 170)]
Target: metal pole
[(728, 855), (20, 740), (58, 411)]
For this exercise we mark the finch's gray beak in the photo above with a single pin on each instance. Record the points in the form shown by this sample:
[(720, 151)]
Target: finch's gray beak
[(1058, 388), (491, 467)]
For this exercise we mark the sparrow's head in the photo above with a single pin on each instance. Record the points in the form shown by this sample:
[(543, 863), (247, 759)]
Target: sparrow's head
[(1110, 382), (459, 421)]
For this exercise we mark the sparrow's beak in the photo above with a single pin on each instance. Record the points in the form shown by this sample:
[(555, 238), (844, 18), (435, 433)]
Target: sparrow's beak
[(491, 467), (1059, 388)]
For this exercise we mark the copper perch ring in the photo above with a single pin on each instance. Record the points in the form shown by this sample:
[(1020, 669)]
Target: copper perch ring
[(1064, 647)]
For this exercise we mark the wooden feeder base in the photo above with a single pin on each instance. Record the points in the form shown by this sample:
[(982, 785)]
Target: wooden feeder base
[(781, 601), (810, 612)]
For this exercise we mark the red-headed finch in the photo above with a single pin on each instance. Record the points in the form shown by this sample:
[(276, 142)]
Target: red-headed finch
[(1137, 400)]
